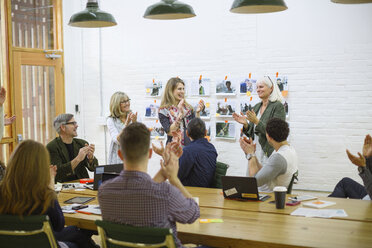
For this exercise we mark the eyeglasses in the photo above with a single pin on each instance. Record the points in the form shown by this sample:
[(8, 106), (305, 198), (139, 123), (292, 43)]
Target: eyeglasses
[(71, 122), (125, 101)]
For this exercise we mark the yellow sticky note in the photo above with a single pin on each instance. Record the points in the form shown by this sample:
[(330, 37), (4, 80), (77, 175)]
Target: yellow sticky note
[(148, 90), (156, 137), (207, 104), (211, 221), (217, 114), (249, 93)]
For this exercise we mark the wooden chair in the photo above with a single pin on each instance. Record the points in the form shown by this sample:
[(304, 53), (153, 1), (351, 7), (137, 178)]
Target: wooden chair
[(26, 232), (221, 169), (294, 177), (115, 235)]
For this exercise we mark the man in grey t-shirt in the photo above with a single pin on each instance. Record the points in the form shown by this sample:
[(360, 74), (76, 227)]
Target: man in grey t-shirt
[(280, 166)]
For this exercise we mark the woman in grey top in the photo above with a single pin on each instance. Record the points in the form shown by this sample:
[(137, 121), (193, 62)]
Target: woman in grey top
[(120, 117)]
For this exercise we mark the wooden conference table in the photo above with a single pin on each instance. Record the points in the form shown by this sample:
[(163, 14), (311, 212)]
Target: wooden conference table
[(258, 224), (357, 210)]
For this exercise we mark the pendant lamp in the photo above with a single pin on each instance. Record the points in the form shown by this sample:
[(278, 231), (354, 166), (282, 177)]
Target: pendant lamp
[(169, 10), (92, 17), (257, 6), (351, 1)]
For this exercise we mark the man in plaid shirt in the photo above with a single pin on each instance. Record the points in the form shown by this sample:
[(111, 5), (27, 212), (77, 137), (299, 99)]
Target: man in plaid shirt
[(134, 198)]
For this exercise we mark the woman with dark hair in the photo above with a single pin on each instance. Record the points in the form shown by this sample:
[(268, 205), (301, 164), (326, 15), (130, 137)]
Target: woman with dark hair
[(174, 112), (28, 189)]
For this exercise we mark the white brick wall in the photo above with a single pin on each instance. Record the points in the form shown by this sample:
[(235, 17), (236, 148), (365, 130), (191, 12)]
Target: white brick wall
[(325, 49)]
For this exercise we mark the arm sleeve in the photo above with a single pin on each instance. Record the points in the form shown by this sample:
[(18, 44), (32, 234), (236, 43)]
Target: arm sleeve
[(56, 217), (186, 162), (114, 132), (64, 170), (164, 121), (366, 176), (275, 166), (182, 209), (277, 112)]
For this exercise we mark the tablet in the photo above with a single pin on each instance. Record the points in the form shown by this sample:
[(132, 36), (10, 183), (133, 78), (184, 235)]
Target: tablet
[(79, 199)]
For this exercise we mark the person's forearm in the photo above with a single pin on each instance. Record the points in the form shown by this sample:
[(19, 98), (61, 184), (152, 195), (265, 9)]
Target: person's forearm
[(254, 166), (174, 127), (177, 183), (159, 178), (74, 163)]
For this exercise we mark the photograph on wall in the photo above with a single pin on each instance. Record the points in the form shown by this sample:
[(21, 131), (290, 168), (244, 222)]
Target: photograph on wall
[(282, 83), (151, 109), (225, 108), (286, 109), (225, 130), (200, 87), (204, 113), (225, 87), (247, 103), (156, 129), (248, 86), (154, 88)]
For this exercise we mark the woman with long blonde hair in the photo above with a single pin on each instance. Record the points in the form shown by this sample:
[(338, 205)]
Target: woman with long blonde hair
[(174, 112), (120, 116), (28, 189)]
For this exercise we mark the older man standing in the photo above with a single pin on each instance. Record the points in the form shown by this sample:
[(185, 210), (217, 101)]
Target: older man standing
[(71, 155)]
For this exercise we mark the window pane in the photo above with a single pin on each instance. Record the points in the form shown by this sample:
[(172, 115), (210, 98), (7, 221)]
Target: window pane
[(32, 23), (38, 102)]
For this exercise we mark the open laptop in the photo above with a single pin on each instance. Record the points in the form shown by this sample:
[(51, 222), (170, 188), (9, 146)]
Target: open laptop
[(241, 188), (105, 172)]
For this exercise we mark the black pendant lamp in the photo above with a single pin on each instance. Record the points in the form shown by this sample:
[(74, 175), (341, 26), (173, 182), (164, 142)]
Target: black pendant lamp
[(169, 10), (257, 6), (92, 17), (351, 1)]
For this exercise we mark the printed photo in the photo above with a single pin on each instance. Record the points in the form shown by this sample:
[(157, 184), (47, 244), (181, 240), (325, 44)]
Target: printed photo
[(225, 87), (247, 103), (156, 129), (225, 108), (248, 85), (151, 110), (225, 130), (200, 87), (154, 88), (282, 83)]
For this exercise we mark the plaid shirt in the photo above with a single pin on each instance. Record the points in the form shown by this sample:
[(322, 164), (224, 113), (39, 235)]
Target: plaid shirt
[(133, 198)]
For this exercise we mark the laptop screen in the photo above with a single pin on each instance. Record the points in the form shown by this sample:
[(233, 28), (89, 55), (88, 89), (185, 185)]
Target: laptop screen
[(240, 188), (104, 172)]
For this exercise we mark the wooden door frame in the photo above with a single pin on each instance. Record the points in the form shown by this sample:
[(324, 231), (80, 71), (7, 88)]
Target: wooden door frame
[(8, 62)]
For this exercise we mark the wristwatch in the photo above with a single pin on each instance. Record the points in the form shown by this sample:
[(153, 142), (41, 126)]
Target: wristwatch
[(361, 169), (249, 156)]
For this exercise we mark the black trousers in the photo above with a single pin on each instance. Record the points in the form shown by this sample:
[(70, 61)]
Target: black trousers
[(348, 188)]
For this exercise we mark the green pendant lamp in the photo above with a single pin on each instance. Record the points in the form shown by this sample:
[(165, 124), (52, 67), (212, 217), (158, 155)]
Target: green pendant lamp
[(257, 6), (92, 17), (351, 1), (169, 10)]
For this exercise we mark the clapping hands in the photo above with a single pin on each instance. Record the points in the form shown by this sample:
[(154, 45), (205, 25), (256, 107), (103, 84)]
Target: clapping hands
[(360, 160)]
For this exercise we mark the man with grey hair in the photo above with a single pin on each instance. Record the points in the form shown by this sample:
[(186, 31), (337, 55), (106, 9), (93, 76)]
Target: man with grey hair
[(71, 155)]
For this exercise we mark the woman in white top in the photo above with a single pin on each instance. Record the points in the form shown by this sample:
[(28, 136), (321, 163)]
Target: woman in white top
[(270, 107), (120, 117)]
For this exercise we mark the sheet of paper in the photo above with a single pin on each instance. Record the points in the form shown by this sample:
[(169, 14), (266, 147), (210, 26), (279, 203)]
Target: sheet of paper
[(321, 213)]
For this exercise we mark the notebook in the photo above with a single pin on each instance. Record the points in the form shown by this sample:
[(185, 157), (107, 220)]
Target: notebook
[(241, 188), (105, 172)]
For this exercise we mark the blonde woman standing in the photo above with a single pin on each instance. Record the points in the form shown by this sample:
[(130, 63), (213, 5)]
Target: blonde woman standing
[(254, 121), (120, 117), (174, 112)]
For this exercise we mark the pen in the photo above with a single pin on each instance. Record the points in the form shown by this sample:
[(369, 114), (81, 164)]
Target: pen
[(82, 212)]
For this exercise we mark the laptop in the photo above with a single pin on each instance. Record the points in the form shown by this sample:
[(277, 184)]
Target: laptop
[(105, 172), (244, 188)]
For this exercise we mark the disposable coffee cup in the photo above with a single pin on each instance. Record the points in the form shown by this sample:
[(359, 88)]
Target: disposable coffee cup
[(280, 193)]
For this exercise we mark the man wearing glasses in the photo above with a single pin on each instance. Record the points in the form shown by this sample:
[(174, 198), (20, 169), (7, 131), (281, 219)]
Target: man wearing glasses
[(71, 155)]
